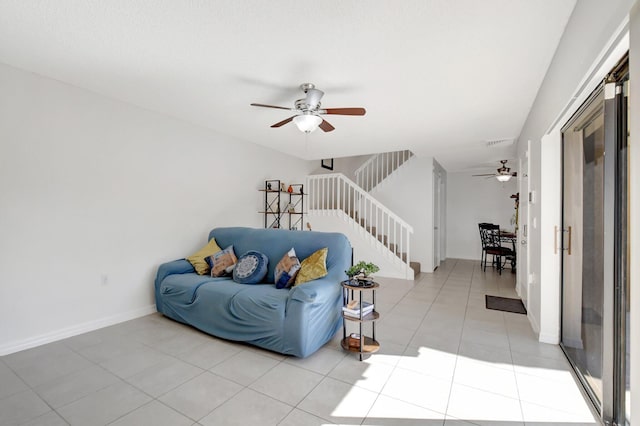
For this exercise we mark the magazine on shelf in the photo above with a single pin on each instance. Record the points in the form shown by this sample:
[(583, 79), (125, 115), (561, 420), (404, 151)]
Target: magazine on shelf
[(355, 312)]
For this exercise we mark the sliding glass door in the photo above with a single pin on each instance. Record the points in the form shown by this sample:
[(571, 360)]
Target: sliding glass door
[(593, 237), (583, 239)]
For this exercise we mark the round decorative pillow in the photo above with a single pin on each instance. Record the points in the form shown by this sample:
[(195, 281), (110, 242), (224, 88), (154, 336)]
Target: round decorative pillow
[(251, 268)]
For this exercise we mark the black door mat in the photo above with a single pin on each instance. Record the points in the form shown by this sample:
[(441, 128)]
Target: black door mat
[(505, 304)]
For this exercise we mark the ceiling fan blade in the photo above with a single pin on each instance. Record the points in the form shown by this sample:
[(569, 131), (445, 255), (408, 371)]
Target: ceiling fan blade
[(345, 111), (326, 127), (486, 174), (283, 122), (270, 106)]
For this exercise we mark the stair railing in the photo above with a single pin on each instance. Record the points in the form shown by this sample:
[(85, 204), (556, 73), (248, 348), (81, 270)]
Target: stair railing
[(335, 192), (379, 166)]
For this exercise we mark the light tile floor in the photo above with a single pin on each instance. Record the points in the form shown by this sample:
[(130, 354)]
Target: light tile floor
[(444, 360)]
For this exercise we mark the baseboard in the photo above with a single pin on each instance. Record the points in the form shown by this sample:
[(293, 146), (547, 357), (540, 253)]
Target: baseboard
[(20, 345), (534, 323), (551, 338)]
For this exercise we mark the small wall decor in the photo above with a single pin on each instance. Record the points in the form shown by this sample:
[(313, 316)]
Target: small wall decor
[(327, 163), (283, 187), (290, 189)]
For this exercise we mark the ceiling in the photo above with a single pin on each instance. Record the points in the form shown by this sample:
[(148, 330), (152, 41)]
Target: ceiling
[(438, 77)]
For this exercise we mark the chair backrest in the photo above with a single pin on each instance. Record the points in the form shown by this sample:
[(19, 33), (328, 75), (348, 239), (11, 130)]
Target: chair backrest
[(492, 233), (482, 227)]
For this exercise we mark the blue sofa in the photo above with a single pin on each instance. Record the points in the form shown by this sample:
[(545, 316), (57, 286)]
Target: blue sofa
[(296, 321)]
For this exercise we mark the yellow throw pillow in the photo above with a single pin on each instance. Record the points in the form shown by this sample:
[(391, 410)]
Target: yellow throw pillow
[(313, 267), (197, 259)]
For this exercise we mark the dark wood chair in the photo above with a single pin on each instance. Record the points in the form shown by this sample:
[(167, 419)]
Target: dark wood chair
[(494, 248), (482, 227)]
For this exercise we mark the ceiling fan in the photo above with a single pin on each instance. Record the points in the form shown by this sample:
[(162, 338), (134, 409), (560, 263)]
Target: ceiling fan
[(308, 111), (503, 173)]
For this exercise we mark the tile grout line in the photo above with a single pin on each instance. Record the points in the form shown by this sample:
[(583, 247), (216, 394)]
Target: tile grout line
[(453, 374), (395, 366)]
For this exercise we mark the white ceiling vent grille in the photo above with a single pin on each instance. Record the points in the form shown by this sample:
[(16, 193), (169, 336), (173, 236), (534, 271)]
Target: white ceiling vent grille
[(500, 143)]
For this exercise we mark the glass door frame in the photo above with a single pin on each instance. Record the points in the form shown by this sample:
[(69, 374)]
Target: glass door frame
[(586, 113), (612, 409)]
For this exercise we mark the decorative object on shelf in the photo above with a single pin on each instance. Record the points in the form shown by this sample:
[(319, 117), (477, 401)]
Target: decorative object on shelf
[(277, 208), (360, 273), (308, 226), (514, 218), (327, 163), (354, 340)]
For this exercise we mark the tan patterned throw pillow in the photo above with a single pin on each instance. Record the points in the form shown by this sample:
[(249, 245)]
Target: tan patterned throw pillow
[(313, 267)]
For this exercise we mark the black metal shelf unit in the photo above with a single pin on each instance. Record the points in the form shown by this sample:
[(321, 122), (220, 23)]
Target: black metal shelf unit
[(275, 194)]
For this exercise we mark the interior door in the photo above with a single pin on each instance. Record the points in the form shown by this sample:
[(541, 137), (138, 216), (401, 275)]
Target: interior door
[(523, 227), (436, 219)]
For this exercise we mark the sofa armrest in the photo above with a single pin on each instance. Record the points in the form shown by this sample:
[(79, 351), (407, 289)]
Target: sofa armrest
[(317, 291), (180, 266)]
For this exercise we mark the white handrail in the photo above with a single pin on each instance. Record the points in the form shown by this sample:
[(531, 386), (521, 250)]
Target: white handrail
[(379, 166), (335, 191)]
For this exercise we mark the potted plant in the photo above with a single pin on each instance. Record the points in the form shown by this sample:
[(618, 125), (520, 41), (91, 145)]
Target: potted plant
[(361, 272)]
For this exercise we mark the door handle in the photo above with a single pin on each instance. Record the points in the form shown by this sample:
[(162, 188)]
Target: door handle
[(555, 240)]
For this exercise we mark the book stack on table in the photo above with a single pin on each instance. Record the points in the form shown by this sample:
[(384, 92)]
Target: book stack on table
[(353, 309)]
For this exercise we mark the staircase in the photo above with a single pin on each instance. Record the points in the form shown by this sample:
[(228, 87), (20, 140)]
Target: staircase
[(380, 167), (386, 233)]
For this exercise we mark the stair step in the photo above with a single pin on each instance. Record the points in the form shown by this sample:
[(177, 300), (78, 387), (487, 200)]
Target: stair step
[(416, 268), (371, 229), (402, 256), (383, 239)]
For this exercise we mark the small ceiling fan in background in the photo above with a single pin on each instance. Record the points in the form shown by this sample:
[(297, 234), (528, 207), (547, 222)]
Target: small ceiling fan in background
[(308, 111), (503, 173)]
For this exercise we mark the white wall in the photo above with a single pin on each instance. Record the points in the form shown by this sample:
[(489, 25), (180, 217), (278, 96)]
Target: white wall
[(345, 165), (408, 192), (585, 53), (471, 200), (588, 33), (96, 190)]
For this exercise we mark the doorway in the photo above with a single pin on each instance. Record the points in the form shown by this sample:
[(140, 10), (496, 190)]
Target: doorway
[(437, 200), (523, 225)]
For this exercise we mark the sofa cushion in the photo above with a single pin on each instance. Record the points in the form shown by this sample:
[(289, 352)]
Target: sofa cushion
[(313, 267), (222, 262), (182, 288), (197, 259), (287, 269), (251, 268)]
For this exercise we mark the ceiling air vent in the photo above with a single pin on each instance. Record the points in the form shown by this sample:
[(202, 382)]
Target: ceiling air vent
[(499, 143)]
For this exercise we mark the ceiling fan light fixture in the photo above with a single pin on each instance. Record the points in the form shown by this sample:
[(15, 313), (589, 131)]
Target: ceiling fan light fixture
[(307, 123), (503, 177)]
